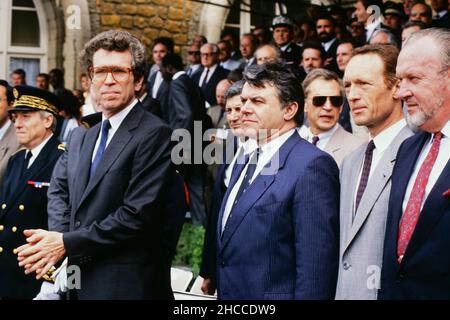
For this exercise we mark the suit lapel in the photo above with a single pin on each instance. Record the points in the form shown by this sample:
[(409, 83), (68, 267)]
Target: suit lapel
[(336, 140), (258, 187), (112, 151), (377, 183)]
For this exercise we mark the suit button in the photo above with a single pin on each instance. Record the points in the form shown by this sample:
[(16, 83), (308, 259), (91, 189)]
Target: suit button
[(15, 251), (1, 249), (21, 207), (346, 265), (222, 264), (2, 227), (4, 206), (14, 229), (77, 224)]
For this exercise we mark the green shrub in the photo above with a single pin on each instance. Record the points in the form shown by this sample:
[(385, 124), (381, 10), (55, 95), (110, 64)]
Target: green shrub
[(190, 247)]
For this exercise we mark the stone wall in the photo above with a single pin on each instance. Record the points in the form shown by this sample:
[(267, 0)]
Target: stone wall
[(149, 19)]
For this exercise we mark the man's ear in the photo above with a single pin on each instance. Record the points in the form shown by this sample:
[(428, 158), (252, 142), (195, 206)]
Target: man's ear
[(138, 84), (290, 111), (395, 89)]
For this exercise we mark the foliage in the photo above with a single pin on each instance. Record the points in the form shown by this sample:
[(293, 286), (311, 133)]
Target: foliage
[(190, 247)]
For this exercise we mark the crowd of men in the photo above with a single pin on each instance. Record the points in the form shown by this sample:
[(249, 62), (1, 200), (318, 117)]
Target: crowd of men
[(330, 172)]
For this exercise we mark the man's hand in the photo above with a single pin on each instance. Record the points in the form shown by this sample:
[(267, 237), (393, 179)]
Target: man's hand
[(43, 250), (208, 287)]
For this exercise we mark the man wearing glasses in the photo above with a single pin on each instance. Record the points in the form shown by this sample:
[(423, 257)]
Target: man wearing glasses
[(194, 60), (371, 86), (324, 98), (210, 74), (110, 194)]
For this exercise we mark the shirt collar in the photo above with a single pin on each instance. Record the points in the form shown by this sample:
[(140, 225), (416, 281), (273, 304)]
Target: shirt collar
[(117, 119), (283, 48), (36, 150), (177, 75), (326, 134), (385, 137), (441, 13), (446, 129), (211, 69), (327, 45), (274, 145)]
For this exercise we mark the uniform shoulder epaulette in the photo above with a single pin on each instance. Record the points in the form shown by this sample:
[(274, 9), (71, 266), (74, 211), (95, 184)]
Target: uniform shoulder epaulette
[(62, 147)]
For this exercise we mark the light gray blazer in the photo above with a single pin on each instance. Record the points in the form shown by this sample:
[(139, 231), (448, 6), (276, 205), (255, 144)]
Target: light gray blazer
[(362, 233), (342, 143), (8, 146)]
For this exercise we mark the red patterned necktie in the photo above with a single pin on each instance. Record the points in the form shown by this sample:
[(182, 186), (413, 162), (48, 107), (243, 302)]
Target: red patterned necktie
[(411, 215)]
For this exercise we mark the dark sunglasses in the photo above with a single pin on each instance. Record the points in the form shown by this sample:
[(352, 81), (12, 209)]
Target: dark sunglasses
[(194, 52), (319, 101)]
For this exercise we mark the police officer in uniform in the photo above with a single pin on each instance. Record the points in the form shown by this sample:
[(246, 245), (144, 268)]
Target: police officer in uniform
[(23, 199), (283, 34)]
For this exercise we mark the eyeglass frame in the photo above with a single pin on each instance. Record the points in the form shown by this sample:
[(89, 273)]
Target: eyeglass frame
[(110, 71), (331, 98)]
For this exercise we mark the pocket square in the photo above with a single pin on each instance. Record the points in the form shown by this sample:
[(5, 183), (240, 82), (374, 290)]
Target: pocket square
[(446, 194)]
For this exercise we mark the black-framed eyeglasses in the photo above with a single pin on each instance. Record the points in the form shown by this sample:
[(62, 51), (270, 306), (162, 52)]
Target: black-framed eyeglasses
[(194, 52), (319, 101), (119, 74)]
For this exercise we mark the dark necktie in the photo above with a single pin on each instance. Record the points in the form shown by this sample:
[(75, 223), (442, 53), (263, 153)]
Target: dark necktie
[(315, 139), (26, 162), (411, 215), (205, 79), (101, 147), (252, 161), (365, 173)]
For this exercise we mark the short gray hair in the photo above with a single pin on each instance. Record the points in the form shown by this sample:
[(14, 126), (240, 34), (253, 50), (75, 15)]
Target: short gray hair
[(391, 37), (441, 36), (121, 41), (213, 46), (323, 74), (234, 90), (45, 114)]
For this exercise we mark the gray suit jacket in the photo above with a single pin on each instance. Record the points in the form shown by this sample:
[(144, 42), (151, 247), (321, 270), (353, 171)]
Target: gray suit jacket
[(8, 145), (361, 238), (342, 143)]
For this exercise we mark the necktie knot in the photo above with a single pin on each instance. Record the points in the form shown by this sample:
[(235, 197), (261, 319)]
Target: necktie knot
[(315, 139), (106, 125), (437, 137), (370, 147)]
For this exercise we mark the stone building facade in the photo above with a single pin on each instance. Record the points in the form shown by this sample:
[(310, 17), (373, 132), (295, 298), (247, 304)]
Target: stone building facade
[(63, 26)]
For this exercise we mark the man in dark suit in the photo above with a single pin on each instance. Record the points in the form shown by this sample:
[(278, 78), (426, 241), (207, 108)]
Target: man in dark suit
[(283, 34), (210, 73), (233, 145), (325, 31), (113, 210), (185, 109), (416, 260), (23, 199), (278, 229), (442, 17)]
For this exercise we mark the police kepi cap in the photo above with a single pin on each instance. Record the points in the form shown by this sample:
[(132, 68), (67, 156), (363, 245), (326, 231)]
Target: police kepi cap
[(28, 98)]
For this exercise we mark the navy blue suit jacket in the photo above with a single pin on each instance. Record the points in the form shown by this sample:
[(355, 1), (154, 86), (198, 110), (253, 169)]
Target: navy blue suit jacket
[(281, 241), (424, 272), (209, 91), (24, 206)]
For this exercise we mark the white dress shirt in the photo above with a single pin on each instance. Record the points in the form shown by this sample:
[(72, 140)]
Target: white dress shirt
[(4, 128), (382, 141), (438, 167), (211, 71), (246, 148), (36, 150), (327, 45), (324, 137), (370, 29), (158, 80), (268, 151), (115, 121)]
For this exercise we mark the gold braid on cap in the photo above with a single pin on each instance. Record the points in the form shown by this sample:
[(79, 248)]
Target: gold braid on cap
[(36, 103)]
